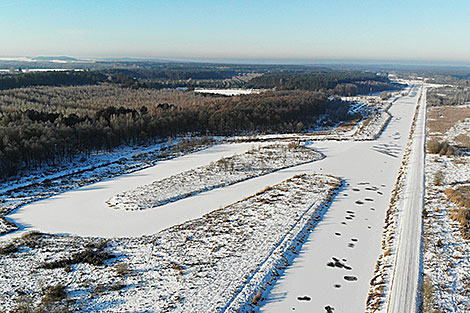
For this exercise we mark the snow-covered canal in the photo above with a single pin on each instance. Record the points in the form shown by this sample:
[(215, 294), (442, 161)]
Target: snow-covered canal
[(350, 231)]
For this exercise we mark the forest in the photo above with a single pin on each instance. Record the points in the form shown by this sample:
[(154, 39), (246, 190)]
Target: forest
[(200, 75), (449, 95), (45, 125), (343, 83)]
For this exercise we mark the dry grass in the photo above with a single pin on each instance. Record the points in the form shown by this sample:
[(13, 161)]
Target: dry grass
[(463, 140), (54, 294), (461, 214), (122, 269), (441, 119), (459, 195), (427, 294), (438, 178)]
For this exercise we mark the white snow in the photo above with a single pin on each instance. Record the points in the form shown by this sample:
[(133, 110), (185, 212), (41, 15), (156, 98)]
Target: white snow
[(84, 212), (350, 230), (216, 262), (224, 172), (228, 92)]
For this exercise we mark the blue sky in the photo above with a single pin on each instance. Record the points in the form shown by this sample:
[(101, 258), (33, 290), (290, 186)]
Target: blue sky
[(297, 29)]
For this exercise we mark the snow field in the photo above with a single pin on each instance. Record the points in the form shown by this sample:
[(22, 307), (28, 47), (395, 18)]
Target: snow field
[(61, 178), (446, 257), (224, 172), (213, 263)]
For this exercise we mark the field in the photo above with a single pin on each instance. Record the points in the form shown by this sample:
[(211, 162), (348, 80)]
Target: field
[(446, 215), (218, 261)]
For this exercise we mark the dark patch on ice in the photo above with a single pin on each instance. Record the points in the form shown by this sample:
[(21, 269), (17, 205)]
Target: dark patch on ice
[(350, 278), (329, 309), (369, 227), (344, 223), (345, 194), (356, 189), (372, 188), (369, 199), (363, 183), (391, 149), (359, 202), (383, 185), (337, 263), (372, 209), (354, 239), (380, 192), (351, 245), (338, 234), (304, 298), (350, 212), (348, 217), (344, 260), (337, 286)]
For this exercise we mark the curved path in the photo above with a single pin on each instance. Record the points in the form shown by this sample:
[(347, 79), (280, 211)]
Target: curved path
[(350, 231)]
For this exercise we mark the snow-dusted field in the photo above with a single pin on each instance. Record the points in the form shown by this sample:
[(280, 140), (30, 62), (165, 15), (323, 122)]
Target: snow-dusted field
[(226, 171), (446, 259), (218, 262), (446, 244)]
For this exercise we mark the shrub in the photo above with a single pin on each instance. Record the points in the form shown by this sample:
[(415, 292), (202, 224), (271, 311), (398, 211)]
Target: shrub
[(433, 146), (438, 178), (257, 297), (24, 304), (122, 269), (459, 195), (102, 288), (8, 248), (31, 239), (441, 148), (461, 214), (54, 294), (93, 254)]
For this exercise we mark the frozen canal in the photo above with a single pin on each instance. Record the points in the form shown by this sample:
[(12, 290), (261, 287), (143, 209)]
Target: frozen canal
[(350, 231)]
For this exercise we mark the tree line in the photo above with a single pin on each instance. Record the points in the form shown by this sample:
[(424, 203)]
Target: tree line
[(45, 125), (343, 83)]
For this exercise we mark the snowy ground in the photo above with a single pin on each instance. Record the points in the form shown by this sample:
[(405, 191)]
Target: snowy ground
[(81, 171), (446, 247), (83, 211), (334, 265), (446, 259), (218, 262), (225, 172)]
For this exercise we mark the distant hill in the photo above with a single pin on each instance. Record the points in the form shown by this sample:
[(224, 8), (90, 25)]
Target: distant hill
[(55, 58)]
